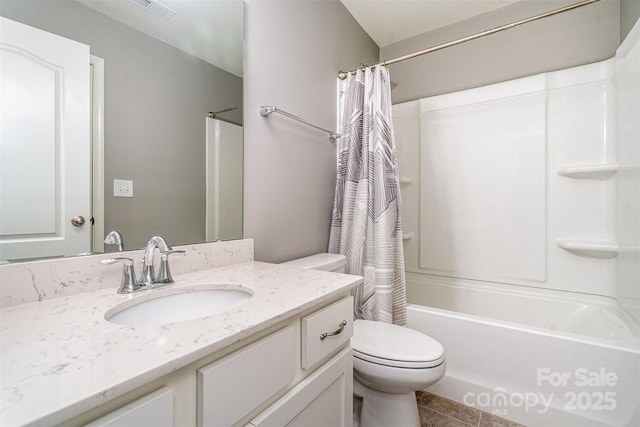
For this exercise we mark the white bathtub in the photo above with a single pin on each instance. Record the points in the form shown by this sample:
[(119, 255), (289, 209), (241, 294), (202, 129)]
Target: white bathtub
[(540, 361)]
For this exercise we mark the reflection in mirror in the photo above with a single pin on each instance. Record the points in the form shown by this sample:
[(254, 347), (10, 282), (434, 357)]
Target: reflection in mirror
[(224, 161), (160, 83)]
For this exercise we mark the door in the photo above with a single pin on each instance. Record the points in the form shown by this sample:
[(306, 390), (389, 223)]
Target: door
[(45, 183)]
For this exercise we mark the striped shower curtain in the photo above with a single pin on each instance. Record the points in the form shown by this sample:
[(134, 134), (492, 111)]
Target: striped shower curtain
[(366, 223)]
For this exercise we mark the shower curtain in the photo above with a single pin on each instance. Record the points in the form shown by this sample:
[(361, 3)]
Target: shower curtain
[(366, 223)]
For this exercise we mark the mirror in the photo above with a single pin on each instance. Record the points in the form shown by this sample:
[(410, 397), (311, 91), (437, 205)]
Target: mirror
[(158, 91)]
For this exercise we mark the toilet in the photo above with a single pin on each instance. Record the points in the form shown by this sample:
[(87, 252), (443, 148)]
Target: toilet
[(390, 362)]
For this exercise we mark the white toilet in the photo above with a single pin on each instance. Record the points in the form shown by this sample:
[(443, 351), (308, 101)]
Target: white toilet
[(390, 362)]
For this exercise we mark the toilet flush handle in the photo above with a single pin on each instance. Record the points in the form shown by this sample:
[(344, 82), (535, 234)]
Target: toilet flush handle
[(336, 332)]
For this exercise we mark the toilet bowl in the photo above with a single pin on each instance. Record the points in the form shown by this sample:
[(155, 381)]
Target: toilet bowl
[(390, 362)]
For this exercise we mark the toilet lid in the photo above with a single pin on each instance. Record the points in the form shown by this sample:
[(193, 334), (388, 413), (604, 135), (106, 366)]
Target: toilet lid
[(394, 345)]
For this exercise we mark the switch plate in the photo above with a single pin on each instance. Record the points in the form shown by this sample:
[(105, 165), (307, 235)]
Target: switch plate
[(122, 188)]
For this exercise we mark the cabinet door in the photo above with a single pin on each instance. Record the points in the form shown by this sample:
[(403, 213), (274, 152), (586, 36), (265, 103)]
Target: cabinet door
[(325, 398), (153, 410), (230, 388)]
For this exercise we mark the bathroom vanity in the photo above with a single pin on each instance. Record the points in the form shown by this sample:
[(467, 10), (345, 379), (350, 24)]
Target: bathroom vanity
[(261, 362)]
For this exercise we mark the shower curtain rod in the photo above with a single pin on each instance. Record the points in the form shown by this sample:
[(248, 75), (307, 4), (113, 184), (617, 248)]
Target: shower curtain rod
[(343, 75), (212, 114)]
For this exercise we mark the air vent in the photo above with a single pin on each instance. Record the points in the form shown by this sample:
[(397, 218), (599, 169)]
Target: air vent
[(155, 7)]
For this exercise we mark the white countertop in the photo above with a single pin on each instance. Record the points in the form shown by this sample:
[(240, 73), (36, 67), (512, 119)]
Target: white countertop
[(60, 357)]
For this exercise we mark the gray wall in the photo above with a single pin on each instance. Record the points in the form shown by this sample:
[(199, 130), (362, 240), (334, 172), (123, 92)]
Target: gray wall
[(588, 34), (629, 14), (293, 52), (156, 101)]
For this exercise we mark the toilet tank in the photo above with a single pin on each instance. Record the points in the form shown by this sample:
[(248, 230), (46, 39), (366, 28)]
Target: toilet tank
[(327, 262)]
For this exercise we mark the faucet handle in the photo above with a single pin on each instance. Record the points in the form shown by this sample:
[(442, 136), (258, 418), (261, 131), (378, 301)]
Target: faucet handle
[(128, 283), (164, 276)]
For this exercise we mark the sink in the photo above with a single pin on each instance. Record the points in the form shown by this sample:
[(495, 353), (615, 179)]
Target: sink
[(176, 305)]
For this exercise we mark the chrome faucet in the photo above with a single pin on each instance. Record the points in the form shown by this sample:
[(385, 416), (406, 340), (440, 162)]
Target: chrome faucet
[(115, 238), (148, 277), (130, 283)]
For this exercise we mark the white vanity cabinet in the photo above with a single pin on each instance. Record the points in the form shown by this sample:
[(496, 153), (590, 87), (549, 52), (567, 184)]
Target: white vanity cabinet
[(290, 376), (231, 388), (324, 398)]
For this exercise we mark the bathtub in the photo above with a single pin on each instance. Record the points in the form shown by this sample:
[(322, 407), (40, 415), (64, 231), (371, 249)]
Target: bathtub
[(540, 360)]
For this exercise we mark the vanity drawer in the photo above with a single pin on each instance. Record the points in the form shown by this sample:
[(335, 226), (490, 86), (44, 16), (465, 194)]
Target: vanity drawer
[(233, 386), (328, 321)]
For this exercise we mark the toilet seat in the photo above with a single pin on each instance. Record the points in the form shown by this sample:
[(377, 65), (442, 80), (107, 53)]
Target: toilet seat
[(397, 363), (395, 346)]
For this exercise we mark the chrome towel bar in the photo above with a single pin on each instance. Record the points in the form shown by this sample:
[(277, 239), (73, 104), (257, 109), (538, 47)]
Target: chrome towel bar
[(266, 110)]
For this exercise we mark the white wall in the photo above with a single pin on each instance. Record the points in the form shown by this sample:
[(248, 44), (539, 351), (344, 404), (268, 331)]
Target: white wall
[(293, 52)]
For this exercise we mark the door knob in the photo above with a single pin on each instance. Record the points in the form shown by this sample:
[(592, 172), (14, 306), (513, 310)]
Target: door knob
[(77, 221)]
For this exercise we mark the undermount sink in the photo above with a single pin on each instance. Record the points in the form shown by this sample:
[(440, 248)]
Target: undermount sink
[(176, 305)]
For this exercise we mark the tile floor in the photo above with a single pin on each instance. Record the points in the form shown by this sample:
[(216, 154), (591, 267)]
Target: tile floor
[(436, 411)]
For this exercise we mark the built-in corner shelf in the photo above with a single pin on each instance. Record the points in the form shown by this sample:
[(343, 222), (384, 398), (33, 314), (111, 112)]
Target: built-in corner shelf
[(405, 180), (590, 248), (601, 171), (408, 236)]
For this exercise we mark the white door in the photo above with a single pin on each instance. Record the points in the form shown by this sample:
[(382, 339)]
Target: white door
[(44, 144), (224, 180)]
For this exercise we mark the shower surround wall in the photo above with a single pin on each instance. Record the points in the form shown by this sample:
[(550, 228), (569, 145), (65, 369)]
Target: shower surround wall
[(480, 208), (515, 184), (628, 178)]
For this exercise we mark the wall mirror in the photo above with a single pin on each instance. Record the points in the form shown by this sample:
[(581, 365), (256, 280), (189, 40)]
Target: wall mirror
[(162, 166)]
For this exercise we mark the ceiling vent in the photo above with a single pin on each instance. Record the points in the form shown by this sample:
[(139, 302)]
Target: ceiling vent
[(156, 8)]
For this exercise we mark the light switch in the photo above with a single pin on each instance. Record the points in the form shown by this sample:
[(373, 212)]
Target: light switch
[(122, 188)]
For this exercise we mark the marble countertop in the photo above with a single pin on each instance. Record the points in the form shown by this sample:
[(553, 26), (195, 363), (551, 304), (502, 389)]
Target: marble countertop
[(60, 357)]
